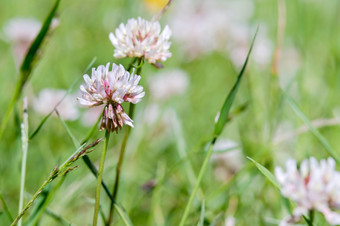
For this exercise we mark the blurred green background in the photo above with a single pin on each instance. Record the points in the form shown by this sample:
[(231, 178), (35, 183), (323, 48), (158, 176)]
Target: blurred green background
[(209, 39)]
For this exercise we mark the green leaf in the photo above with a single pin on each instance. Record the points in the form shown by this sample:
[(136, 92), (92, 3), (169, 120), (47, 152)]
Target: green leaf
[(314, 131), (224, 113), (266, 173)]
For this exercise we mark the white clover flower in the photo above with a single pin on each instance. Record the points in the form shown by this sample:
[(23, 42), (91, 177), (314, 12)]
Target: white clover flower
[(142, 38), (315, 186), (48, 98), (111, 88)]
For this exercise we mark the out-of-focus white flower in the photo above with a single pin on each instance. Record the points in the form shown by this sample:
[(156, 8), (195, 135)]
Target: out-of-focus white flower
[(165, 84), (315, 186), (48, 98), (21, 32), (142, 38), (111, 88), (230, 221), (239, 46), (199, 27), (227, 159), (90, 117), (223, 26), (151, 114)]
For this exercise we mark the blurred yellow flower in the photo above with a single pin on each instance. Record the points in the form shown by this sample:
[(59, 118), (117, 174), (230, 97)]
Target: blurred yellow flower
[(155, 5)]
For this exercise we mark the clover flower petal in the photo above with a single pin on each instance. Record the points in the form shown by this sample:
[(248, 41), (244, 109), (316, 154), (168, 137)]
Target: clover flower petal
[(141, 38), (314, 186), (111, 88)]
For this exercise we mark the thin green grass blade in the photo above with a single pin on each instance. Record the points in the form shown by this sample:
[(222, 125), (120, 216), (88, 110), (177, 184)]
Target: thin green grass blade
[(35, 220), (27, 64), (40, 125), (58, 218), (224, 113), (201, 222), (123, 215), (38, 204), (6, 209), (92, 130), (218, 130), (73, 138), (216, 220), (66, 94), (86, 159), (266, 173), (26, 67), (314, 131)]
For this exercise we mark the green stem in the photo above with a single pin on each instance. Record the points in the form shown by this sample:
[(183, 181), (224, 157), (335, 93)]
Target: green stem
[(55, 173), (29, 204), (99, 179), (199, 179), (311, 218), (119, 164), (48, 199), (24, 140), (122, 149)]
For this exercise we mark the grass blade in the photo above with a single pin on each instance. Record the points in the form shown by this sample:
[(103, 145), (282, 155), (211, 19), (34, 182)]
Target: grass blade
[(6, 209), (224, 113), (314, 131), (26, 67), (27, 64), (266, 173), (58, 218), (201, 222), (224, 116), (55, 107), (123, 215)]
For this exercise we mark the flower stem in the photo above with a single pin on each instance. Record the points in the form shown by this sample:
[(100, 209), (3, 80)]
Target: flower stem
[(119, 164), (24, 140), (199, 179), (100, 176), (311, 218), (122, 149)]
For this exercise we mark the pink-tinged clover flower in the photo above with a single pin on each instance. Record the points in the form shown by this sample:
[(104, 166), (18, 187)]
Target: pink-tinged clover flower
[(142, 38), (111, 88), (314, 186)]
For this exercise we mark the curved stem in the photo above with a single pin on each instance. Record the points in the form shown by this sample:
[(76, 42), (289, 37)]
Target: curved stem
[(99, 179)]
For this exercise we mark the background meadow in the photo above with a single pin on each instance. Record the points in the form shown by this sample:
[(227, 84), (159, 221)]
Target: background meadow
[(174, 122)]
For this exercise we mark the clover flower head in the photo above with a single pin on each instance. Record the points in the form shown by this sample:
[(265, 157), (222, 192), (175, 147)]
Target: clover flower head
[(314, 186), (141, 38), (111, 88)]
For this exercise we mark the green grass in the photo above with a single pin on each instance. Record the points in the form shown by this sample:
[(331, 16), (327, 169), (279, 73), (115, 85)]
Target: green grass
[(156, 152)]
